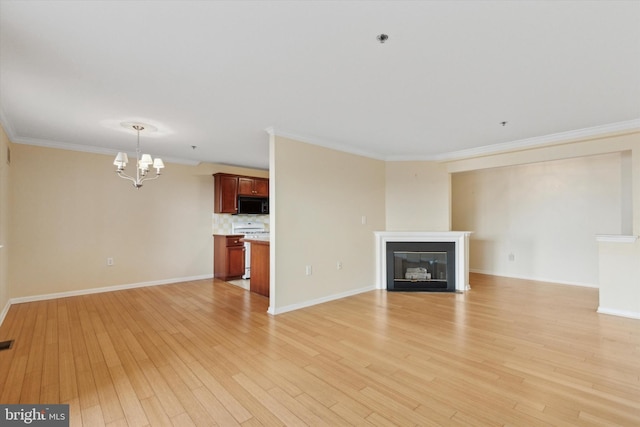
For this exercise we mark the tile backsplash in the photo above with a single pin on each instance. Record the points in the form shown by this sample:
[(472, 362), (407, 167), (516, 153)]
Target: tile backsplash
[(222, 222)]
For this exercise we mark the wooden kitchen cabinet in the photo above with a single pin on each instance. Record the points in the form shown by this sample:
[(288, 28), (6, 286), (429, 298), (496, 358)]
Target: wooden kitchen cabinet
[(228, 256), (228, 187), (260, 268), (225, 193), (256, 187)]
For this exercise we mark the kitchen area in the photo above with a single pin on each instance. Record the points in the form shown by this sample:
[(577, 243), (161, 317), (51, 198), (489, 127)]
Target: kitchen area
[(241, 231)]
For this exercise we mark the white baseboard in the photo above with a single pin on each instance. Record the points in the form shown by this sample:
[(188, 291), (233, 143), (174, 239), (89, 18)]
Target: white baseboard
[(537, 279), (305, 304), (107, 289), (621, 313)]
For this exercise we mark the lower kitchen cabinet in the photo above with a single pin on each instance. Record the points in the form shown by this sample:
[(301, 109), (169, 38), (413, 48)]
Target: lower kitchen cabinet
[(228, 257), (259, 282)]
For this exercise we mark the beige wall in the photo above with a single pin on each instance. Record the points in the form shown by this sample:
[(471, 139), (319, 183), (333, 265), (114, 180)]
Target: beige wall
[(618, 275), (70, 212), (615, 143), (4, 222), (418, 196), (539, 221), (320, 196)]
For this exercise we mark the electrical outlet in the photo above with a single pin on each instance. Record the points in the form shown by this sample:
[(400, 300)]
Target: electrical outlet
[(363, 219), (512, 256), (339, 265), (110, 262), (307, 270)]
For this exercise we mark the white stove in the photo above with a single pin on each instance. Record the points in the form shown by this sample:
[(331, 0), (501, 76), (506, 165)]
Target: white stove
[(249, 229)]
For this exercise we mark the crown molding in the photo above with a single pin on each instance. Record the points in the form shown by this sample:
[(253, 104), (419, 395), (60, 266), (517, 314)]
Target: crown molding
[(616, 238), (6, 126), (540, 141), (325, 143), (522, 144), (412, 158), (91, 149)]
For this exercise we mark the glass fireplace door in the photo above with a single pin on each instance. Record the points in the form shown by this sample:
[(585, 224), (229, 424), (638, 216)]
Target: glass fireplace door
[(421, 266)]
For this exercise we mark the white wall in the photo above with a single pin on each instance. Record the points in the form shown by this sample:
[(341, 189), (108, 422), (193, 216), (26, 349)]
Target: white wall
[(544, 215), (620, 279), (418, 196), (318, 199)]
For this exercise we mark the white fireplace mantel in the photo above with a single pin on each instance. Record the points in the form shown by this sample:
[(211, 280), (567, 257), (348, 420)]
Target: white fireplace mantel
[(460, 238)]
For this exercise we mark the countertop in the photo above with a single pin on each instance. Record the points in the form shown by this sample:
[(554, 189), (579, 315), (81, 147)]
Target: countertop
[(256, 240)]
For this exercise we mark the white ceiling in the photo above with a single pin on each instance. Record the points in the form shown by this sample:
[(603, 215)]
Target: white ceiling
[(216, 74)]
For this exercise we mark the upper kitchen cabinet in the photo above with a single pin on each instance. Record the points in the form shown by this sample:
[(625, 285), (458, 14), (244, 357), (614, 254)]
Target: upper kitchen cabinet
[(225, 193), (257, 187), (228, 187)]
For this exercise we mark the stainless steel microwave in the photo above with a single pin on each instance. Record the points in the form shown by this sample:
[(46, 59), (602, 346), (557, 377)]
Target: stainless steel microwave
[(253, 205)]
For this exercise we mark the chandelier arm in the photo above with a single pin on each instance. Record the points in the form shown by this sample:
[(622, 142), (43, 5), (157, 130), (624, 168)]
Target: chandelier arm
[(141, 170), (125, 176), (133, 180), (147, 178)]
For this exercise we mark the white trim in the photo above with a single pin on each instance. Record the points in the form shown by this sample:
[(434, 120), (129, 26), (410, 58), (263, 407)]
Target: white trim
[(521, 144), (107, 289), (338, 146), (319, 300), (5, 125), (460, 238), (90, 149), (536, 279), (620, 313), (528, 143), (615, 238), (4, 312), (539, 141)]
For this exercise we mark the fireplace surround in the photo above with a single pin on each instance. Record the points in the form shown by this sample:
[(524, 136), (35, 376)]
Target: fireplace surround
[(424, 253), (421, 266)]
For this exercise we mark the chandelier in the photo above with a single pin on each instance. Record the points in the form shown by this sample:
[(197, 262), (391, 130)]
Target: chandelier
[(143, 162)]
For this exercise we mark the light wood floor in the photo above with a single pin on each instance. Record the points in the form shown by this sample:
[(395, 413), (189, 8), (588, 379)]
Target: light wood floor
[(509, 352)]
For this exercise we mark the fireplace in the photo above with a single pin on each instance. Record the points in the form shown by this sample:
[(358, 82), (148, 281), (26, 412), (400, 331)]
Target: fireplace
[(421, 266), (422, 260)]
